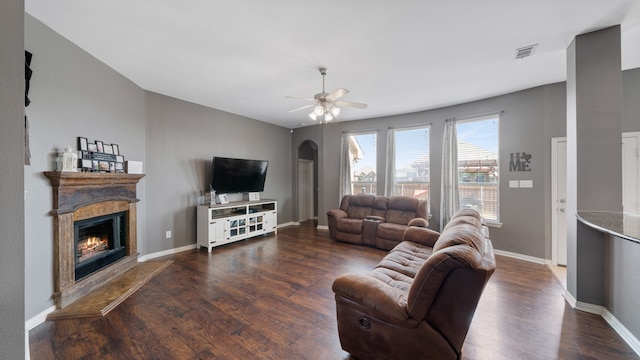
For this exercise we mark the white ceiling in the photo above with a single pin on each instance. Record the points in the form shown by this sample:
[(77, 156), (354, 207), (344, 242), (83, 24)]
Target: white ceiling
[(245, 56)]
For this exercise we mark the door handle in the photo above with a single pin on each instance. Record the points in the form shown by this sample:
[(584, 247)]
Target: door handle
[(562, 201), (561, 209)]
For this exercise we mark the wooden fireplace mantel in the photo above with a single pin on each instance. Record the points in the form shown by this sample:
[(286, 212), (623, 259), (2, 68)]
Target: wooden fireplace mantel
[(78, 196), (72, 190)]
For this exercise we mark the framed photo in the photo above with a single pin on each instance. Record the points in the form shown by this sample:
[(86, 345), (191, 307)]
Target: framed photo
[(100, 146), (82, 144), (103, 165), (112, 166), (116, 149), (108, 149), (86, 164), (119, 167), (92, 147), (119, 158), (95, 165), (224, 199)]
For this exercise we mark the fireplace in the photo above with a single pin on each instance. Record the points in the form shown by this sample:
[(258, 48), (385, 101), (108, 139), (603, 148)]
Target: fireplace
[(98, 242), (94, 220)]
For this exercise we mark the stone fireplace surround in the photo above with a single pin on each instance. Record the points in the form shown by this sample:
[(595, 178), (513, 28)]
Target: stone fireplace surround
[(80, 196)]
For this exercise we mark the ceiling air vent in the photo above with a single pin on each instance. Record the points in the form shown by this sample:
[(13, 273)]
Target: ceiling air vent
[(526, 51)]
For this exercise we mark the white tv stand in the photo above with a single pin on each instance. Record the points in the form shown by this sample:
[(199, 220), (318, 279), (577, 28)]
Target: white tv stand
[(225, 223)]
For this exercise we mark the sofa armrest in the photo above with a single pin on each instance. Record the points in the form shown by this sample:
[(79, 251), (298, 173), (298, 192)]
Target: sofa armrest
[(421, 235), (419, 222), (336, 214), (373, 296)]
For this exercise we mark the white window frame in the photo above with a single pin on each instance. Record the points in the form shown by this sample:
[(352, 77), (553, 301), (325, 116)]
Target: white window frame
[(371, 188), (462, 197), (392, 154)]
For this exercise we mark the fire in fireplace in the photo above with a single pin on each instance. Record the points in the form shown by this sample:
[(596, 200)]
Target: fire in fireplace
[(99, 241)]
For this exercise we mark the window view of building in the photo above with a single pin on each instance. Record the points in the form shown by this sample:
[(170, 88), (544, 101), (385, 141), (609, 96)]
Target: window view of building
[(478, 180), (362, 155), (411, 162)]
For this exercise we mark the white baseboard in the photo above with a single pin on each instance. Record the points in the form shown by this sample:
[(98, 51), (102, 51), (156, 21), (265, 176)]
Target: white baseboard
[(38, 319), (624, 333), (322, 227), (31, 324), (590, 308), (615, 324), (570, 299), (522, 257), (158, 254)]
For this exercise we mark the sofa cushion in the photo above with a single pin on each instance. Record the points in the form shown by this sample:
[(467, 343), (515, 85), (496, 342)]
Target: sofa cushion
[(402, 209), (349, 225), (464, 228), (380, 206), (403, 203), (359, 206), (392, 231)]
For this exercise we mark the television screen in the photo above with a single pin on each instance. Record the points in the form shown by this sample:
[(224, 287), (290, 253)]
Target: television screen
[(238, 175)]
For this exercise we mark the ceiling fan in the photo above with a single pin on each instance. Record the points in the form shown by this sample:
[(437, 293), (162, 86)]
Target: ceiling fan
[(326, 104)]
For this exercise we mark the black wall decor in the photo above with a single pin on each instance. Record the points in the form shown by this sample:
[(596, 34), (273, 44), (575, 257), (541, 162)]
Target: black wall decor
[(27, 76), (520, 161)]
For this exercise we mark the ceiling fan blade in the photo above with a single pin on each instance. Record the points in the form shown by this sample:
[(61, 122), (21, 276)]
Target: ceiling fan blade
[(350, 104), (337, 94), (302, 108), (299, 98)]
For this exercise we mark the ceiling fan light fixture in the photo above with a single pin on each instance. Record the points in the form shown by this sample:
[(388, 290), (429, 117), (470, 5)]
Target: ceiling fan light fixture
[(325, 105)]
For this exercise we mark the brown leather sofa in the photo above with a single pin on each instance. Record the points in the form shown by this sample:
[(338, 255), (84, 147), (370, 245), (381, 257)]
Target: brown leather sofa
[(418, 302), (378, 221)]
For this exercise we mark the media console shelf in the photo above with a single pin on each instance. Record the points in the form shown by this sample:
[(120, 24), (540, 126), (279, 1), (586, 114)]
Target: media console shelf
[(225, 223)]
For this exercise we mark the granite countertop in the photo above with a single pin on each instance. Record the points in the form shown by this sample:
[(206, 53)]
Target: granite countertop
[(624, 225)]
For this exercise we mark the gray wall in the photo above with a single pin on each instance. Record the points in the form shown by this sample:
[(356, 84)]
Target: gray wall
[(75, 95), (621, 285), (72, 95), (529, 120), (181, 140), (631, 100), (12, 315)]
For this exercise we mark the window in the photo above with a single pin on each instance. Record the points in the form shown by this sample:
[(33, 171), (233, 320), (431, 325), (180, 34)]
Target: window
[(478, 180), (410, 176), (362, 158)]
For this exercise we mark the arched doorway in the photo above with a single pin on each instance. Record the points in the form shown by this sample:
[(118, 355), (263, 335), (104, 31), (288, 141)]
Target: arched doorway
[(307, 181)]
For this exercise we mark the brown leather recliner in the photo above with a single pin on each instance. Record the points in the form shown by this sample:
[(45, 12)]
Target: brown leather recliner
[(419, 300), (378, 221)]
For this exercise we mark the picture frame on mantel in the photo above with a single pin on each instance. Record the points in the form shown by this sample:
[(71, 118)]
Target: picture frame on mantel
[(108, 149), (100, 146), (83, 144)]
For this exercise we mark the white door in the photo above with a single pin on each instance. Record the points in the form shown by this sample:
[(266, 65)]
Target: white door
[(305, 190), (559, 201), (630, 156)]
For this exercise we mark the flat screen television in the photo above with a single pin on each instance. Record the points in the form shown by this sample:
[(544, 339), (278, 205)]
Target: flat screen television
[(238, 175)]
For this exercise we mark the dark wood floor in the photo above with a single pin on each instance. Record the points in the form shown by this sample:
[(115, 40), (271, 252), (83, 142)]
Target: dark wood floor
[(270, 298)]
